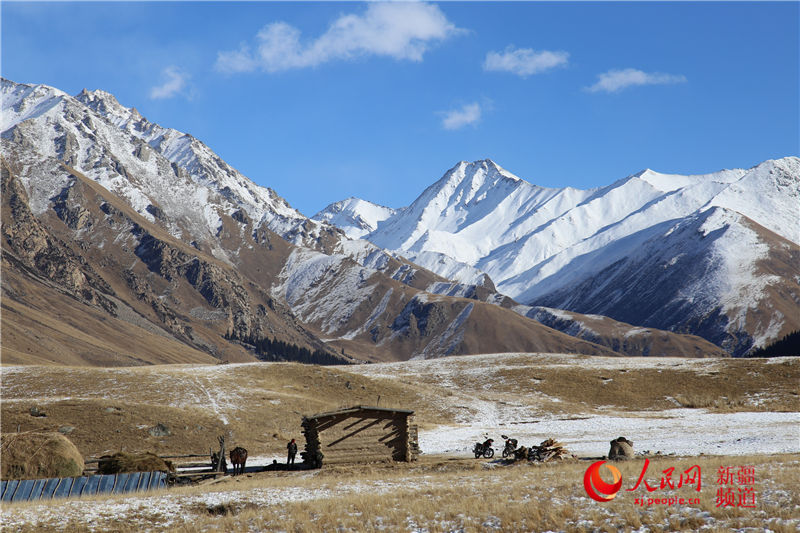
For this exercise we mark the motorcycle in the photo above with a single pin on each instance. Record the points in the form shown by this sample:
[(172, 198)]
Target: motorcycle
[(511, 445), (484, 449)]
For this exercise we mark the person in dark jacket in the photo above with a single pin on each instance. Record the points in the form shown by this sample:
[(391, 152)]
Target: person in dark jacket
[(292, 449)]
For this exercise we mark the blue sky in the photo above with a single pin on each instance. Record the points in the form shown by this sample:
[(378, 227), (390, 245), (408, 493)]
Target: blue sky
[(322, 101)]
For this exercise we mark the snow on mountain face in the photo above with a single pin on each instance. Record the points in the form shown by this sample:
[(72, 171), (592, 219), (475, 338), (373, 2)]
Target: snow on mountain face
[(354, 216), (635, 206), (114, 145), (534, 242), (521, 234), (450, 216), (703, 274), (349, 291)]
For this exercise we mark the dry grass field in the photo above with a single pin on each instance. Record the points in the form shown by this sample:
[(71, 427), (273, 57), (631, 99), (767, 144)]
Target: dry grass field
[(747, 409), (261, 404), (435, 494)]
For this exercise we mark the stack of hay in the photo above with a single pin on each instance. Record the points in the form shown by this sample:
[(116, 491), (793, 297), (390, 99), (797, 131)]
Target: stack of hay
[(548, 450), (34, 455), (122, 462)]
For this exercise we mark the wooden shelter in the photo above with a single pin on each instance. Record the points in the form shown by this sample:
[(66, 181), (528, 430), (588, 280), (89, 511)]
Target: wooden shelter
[(361, 433)]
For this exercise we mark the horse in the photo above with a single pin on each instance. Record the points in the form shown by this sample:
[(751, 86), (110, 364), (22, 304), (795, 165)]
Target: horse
[(238, 459)]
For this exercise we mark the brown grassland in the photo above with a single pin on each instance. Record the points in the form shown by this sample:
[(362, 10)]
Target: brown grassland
[(260, 406)]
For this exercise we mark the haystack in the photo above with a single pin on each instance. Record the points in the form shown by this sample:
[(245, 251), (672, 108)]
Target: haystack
[(621, 449), (34, 455), (122, 462)]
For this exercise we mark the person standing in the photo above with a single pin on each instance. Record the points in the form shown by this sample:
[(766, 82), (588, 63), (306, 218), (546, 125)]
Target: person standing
[(292, 449)]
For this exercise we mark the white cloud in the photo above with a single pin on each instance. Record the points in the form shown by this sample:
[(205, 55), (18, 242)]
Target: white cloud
[(402, 30), (616, 80), (458, 118), (175, 83), (524, 61)]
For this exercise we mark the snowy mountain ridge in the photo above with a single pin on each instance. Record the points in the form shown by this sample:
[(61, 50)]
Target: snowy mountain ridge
[(354, 216), (537, 243), (143, 225), (164, 174), (192, 182), (520, 233)]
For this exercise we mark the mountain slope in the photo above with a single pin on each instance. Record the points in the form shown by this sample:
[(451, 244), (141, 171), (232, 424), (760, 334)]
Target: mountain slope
[(113, 266), (717, 274), (538, 244), (117, 147), (166, 176)]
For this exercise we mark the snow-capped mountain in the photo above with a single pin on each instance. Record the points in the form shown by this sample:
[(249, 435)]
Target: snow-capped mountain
[(538, 244), (189, 183), (354, 216), (168, 177), (116, 228)]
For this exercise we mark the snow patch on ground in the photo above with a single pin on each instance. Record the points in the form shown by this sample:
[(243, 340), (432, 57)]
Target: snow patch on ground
[(679, 431), (674, 431)]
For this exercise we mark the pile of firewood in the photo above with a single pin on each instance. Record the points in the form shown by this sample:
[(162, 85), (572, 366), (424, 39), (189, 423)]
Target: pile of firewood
[(548, 450)]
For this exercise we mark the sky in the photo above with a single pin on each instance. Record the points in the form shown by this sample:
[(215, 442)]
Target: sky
[(323, 101)]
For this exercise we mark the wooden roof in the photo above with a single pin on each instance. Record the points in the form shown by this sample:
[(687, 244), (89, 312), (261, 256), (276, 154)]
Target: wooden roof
[(357, 409)]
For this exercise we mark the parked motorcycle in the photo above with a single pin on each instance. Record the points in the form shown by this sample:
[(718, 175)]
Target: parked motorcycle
[(484, 449), (510, 446)]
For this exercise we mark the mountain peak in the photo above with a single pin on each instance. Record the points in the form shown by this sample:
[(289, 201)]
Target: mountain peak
[(482, 169), (106, 104), (24, 90), (354, 216), (96, 95)]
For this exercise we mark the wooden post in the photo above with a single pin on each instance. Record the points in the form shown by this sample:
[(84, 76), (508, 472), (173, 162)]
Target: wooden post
[(221, 461)]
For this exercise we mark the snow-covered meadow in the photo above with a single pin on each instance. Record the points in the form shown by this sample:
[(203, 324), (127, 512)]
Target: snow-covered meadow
[(679, 431)]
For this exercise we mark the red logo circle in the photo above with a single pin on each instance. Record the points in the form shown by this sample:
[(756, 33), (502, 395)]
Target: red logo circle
[(593, 483)]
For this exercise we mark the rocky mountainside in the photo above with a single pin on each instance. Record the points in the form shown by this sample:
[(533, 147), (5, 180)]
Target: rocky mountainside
[(128, 243), (88, 280), (568, 248), (162, 173)]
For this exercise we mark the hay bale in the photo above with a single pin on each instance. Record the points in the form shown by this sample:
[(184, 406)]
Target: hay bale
[(621, 449), (122, 462), (34, 455)]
